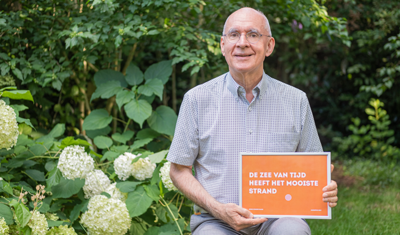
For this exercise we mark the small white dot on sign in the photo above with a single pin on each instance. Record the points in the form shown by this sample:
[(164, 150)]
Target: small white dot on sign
[(288, 197)]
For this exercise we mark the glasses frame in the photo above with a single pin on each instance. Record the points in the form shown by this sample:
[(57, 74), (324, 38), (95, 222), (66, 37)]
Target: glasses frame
[(225, 35)]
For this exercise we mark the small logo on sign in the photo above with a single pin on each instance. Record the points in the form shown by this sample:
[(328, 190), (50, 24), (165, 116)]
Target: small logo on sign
[(288, 197)]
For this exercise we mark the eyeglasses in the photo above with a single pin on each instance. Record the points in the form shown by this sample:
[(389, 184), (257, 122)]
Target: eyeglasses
[(252, 37)]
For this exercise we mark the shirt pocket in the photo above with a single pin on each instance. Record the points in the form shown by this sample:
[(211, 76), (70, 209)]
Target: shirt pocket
[(280, 141)]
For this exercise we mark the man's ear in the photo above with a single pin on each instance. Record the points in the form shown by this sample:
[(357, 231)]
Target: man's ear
[(222, 46), (270, 46)]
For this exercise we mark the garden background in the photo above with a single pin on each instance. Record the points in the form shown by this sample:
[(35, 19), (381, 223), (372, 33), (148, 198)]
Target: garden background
[(110, 76)]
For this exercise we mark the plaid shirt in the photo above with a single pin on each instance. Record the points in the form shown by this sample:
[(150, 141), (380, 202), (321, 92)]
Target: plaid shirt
[(216, 123)]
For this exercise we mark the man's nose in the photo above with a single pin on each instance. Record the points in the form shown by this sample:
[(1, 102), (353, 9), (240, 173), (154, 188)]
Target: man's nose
[(242, 41)]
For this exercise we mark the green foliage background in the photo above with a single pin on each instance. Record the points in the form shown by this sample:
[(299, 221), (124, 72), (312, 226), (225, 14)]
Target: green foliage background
[(112, 74)]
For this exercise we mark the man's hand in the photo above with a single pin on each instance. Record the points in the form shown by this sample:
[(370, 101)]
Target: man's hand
[(238, 218), (232, 214), (330, 192)]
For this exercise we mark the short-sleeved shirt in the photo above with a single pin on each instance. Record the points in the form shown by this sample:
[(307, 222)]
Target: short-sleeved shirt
[(216, 123)]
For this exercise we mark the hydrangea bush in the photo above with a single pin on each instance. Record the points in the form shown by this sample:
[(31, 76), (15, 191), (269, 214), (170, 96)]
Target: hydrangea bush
[(8, 126), (93, 184)]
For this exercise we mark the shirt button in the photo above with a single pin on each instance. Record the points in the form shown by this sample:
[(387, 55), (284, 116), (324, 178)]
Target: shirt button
[(250, 131), (249, 109)]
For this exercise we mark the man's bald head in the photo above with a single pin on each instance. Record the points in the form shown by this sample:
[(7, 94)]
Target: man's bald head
[(267, 27)]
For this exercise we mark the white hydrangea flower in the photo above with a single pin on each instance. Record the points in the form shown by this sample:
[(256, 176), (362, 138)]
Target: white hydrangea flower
[(3, 227), (75, 163), (38, 223), (122, 165), (115, 193), (62, 229), (8, 126), (143, 169), (106, 216), (96, 182), (165, 178), (51, 216)]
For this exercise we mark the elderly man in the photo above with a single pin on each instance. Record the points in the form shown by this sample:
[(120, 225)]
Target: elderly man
[(244, 110)]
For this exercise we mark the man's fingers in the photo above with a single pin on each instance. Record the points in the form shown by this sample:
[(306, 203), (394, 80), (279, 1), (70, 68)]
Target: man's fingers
[(245, 213), (330, 199), (244, 223), (330, 187), (332, 167), (330, 194), (332, 204)]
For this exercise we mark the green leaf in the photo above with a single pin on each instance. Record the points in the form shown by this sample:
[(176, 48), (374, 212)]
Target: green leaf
[(147, 133), (18, 73), (6, 187), (138, 202), (18, 95), (152, 191), (127, 186), (49, 166), (66, 188), (103, 142), (133, 75), (154, 85), (155, 179), (77, 210), (52, 223), (124, 97), (161, 213), (169, 229), (36, 175), (124, 137), (161, 70), (23, 215), (153, 231), (158, 157), (104, 76), (97, 119), (103, 131), (163, 120), (137, 228), (18, 107), (110, 156), (174, 211), (7, 214), (306, 21), (71, 141), (45, 207), (120, 149), (138, 111), (107, 90), (54, 178), (26, 121), (140, 143), (38, 150), (57, 131), (106, 194)]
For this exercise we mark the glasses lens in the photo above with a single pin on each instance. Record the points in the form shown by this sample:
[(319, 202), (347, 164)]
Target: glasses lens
[(253, 37), (233, 37)]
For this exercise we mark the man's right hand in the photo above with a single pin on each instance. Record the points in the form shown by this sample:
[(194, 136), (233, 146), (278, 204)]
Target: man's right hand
[(238, 218)]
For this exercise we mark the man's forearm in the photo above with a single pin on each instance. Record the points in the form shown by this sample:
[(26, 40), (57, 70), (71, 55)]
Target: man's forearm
[(183, 179)]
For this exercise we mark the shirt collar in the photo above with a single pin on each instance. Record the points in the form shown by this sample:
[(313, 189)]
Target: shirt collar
[(233, 87)]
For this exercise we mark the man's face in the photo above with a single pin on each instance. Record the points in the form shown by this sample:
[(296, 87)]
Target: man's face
[(242, 56)]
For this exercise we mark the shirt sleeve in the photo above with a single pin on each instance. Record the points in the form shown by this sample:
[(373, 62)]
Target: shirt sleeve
[(309, 140), (185, 144)]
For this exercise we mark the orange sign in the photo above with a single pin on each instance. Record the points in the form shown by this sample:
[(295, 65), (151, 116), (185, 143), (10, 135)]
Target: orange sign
[(278, 185)]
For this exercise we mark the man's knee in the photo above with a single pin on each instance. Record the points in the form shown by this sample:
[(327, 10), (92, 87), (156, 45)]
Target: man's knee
[(289, 226)]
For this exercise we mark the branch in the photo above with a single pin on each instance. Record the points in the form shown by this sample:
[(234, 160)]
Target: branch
[(129, 59), (93, 67)]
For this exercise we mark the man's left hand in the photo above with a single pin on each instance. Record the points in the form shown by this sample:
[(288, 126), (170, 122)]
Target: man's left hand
[(330, 192)]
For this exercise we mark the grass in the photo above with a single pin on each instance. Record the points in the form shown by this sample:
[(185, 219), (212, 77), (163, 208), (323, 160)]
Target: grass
[(363, 209)]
